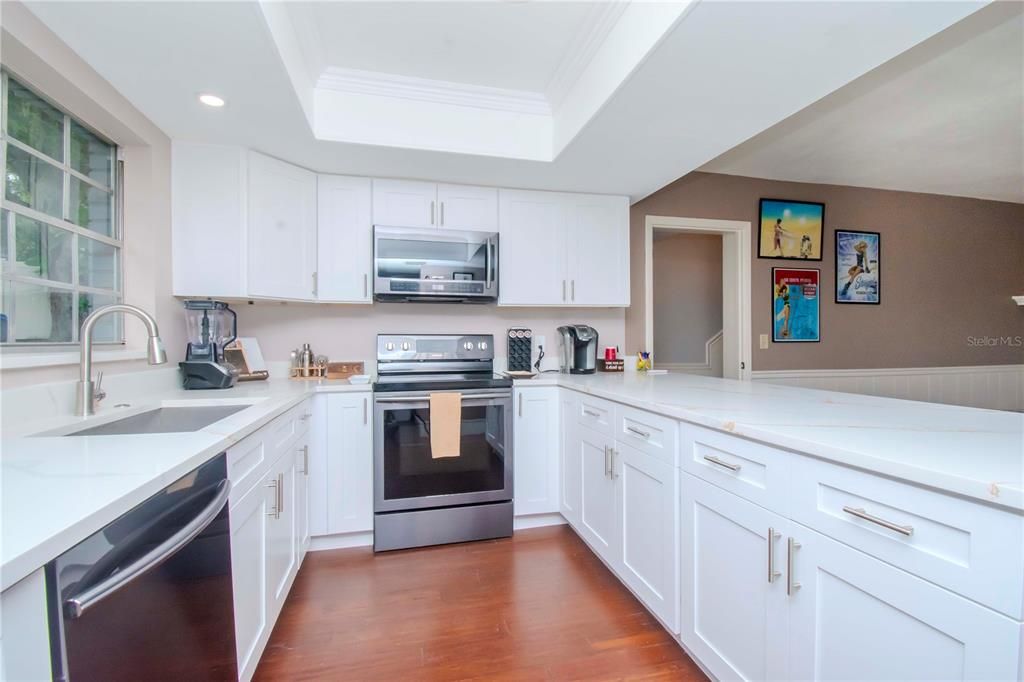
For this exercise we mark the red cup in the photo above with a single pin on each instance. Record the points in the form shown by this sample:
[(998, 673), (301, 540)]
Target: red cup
[(610, 353)]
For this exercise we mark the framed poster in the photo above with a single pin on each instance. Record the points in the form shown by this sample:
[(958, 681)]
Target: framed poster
[(795, 297), (858, 256), (790, 229)]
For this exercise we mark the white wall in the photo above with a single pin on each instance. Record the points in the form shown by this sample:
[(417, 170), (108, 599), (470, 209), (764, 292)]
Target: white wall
[(348, 332), (36, 56), (687, 295)]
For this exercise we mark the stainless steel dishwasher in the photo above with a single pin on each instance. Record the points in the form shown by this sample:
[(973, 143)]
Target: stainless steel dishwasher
[(149, 596)]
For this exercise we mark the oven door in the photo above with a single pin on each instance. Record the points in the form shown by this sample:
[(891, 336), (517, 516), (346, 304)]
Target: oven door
[(407, 477), (434, 264)]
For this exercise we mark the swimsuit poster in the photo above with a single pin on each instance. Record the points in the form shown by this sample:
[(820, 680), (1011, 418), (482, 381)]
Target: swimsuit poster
[(795, 294), (790, 229), (857, 261)]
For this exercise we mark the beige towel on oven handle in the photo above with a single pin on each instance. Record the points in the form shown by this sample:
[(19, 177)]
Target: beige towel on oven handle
[(445, 425)]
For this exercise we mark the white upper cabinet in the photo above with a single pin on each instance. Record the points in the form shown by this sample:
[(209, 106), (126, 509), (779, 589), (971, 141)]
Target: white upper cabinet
[(344, 239), (208, 222), (563, 249), (462, 207), (598, 253), (410, 203), (531, 248), (404, 203), (282, 230)]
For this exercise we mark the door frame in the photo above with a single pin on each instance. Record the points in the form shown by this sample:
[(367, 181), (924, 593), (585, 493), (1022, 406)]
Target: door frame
[(736, 266)]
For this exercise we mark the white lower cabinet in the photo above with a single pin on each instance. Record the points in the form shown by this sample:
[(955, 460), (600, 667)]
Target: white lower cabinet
[(570, 473), (249, 519), (535, 439), (646, 490), (623, 502), (854, 617), (597, 499), (734, 608), (349, 463), (269, 517)]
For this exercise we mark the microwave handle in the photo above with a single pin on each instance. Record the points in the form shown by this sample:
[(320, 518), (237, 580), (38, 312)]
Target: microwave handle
[(487, 263)]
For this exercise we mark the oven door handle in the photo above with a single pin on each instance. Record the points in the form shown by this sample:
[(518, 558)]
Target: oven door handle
[(425, 398)]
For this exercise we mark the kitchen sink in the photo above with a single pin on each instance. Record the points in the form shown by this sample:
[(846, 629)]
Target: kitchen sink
[(163, 420)]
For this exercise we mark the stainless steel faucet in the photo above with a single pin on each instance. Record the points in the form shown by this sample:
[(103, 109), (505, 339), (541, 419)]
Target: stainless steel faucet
[(87, 392)]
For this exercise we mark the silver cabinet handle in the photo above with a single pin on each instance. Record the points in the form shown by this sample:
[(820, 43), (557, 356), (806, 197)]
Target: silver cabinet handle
[(315, 284), (563, 289), (607, 463), (589, 413), (276, 511), (306, 416), (772, 573), (638, 432), (365, 401), (442, 213), (722, 463), (520, 404), (83, 601), (280, 494), (613, 452), (861, 514), (366, 285), (572, 287), (305, 460), (791, 585), (432, 212)]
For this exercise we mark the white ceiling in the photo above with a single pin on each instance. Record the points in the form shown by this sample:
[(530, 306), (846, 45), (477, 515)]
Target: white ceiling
[(946, 117), (517, 46), (688, 100)]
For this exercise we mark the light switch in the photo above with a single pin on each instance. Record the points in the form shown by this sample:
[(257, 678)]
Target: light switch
[(764, 341)]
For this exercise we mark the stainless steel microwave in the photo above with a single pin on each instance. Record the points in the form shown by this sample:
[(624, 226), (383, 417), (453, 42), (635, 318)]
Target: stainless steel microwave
[(427, 265)]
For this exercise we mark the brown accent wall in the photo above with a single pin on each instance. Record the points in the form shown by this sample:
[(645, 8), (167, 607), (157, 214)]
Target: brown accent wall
[(949, 267)]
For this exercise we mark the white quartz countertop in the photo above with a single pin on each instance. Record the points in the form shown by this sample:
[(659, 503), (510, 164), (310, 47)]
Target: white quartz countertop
[(56, 491), (970, 452)]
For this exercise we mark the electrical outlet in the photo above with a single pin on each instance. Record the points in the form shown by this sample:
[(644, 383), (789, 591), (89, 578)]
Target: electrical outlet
[(764, 341)]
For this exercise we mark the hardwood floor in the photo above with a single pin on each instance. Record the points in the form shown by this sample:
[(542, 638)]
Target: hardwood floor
[(539, 606)]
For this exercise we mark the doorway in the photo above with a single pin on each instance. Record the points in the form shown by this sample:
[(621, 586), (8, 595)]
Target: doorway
[(734, 341)]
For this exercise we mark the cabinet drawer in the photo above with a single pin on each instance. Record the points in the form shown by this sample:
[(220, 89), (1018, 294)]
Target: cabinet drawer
[(595, 413), (654, 434), (247, 461), (751, 470), (285, 429), (969, 548)]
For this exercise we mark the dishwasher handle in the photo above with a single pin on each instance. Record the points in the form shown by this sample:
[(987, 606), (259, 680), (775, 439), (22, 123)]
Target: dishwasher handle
[(75, 606)]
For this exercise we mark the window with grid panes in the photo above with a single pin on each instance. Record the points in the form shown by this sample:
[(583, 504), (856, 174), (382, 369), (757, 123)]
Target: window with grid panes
[(60, 240)]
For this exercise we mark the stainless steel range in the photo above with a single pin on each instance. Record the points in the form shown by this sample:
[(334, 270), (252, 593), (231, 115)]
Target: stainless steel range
[(419, 497)]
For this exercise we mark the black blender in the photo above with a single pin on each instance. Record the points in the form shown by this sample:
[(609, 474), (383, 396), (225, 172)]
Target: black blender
[(211, 325)]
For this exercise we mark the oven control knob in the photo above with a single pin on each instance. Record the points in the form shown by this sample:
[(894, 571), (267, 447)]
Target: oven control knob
[(389, 346), (468, 345), (405, 345), (482, 345)]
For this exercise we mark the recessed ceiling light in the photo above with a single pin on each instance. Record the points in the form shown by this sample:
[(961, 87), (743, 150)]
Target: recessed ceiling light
[(211, 100)]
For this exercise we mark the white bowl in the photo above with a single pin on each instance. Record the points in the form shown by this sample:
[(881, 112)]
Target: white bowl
[(359, 379)]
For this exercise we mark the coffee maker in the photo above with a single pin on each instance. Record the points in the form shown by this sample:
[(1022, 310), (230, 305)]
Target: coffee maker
[(579, 349), (211, 325)]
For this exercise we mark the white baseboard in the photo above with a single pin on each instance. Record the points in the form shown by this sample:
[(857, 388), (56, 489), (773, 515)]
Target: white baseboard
[(537, 521), (365, 539), (993, 387)]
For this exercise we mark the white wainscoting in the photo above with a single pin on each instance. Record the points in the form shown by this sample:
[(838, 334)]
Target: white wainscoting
[(994, 387)]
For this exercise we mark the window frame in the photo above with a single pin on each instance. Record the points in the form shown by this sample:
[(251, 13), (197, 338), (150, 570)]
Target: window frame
[(13, 209)]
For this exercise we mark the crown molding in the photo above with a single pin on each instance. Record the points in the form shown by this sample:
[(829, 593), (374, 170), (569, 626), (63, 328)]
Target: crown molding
[(356, 81), (582, 48)]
